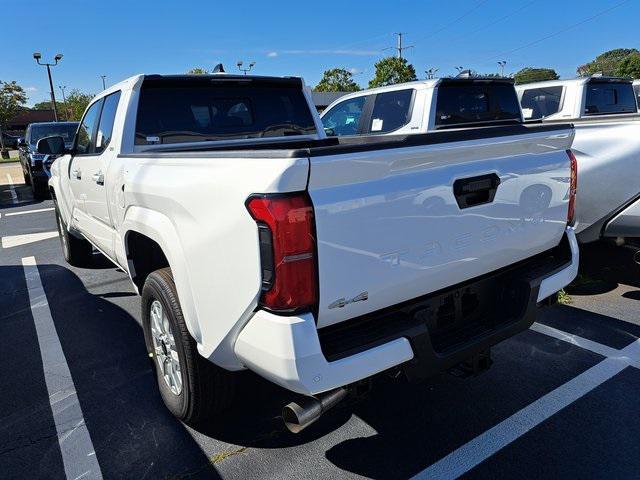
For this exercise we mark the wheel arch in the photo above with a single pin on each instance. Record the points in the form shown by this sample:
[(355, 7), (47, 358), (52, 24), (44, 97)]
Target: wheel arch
[(151, 242)]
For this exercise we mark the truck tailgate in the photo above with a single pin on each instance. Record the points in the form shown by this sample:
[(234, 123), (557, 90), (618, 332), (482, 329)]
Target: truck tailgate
[(397, 223)]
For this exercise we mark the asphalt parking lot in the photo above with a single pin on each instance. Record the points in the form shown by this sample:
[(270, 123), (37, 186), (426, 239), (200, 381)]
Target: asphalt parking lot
[(561, 399)]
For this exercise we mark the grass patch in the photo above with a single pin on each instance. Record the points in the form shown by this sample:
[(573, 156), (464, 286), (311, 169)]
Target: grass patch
[(564, 298)]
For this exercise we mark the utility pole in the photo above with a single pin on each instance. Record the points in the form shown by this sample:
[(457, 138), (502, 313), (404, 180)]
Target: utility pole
[(64, 100), (502, 64), (104, 85), (399, 47), (37, 56)]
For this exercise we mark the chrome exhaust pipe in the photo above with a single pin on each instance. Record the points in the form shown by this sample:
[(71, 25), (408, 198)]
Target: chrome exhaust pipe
[(298, 416)]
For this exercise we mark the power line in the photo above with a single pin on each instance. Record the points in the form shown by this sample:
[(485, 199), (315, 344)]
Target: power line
[(496, 21), (453, 22), (564, 29)]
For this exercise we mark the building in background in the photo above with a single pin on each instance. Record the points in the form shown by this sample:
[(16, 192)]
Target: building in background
[(18, 124), (323, 99)]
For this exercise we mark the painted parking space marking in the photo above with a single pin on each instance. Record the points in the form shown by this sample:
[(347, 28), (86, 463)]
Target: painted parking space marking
[(12, 189), (575, 340), (76, 447), (474, 452), (25, 212), (25, 239)]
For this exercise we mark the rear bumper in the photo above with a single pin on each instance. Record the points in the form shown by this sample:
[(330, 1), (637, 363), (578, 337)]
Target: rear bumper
[(293, 353)]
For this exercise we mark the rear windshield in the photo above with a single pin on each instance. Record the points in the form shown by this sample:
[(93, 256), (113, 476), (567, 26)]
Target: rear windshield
[(609, 97), (66, 131), (196, 111), (538, 103), (476, 104)]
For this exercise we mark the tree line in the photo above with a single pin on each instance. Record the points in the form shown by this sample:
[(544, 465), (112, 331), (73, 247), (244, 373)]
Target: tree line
[(621, 62)]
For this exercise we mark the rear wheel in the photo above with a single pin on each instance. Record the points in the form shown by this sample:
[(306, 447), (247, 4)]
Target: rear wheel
[(192, 388), (76, 251)]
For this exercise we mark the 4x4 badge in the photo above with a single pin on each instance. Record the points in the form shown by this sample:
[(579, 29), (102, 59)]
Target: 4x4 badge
[(342, 302)]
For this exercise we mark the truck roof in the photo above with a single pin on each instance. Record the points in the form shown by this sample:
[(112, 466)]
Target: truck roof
[(573, 81)]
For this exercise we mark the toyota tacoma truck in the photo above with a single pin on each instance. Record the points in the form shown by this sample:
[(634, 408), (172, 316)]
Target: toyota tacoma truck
[(607, 146), (258, 243)]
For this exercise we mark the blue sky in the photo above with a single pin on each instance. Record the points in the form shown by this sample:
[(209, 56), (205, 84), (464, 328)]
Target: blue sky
[(121, 38)]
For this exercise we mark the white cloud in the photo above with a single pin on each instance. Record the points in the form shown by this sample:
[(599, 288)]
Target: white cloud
[(272, 54), (30, 89), (355, 71)]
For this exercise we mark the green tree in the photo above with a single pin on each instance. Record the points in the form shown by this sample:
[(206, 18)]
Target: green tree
[(197, 71), (530, 74), (12, 100), (630, 66), (77, 103), (392, 70), (607, 63), (337, 80)]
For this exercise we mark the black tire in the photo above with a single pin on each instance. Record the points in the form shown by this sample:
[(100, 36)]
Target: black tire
[(207, 389), (76, 251)]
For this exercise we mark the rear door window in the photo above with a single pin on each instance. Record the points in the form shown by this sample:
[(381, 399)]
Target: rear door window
[(344, 118), (391, 111), (539, 103), (476, 104), (610, 98), (211, 109)]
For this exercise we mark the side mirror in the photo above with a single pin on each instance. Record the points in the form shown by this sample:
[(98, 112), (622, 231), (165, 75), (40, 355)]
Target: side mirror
[(21, 142), (329, 132), (51, 146)]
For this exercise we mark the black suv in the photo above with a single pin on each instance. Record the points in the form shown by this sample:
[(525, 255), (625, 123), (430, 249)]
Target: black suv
[(36, 167)]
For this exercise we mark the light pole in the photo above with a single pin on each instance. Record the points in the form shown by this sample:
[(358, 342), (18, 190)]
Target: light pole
[(431, 73), (104, 85), (245, 70), (459, 69), (37, 56), (64, 101), (502, 64)]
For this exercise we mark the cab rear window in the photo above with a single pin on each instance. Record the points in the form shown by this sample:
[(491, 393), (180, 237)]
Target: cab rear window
[(610, 98), (204, 109), (476, 104)]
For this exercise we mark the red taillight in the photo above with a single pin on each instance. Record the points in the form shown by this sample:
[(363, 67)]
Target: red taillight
[(573, 187), (287, 250)]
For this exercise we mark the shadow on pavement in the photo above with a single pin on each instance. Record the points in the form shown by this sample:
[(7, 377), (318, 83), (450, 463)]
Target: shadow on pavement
[(133, 434)]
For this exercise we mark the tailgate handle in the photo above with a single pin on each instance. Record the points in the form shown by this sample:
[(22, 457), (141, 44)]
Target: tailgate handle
[(473, 191)]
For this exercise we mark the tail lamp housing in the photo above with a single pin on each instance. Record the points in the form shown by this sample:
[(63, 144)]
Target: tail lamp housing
[(573, 188), (286, 235)]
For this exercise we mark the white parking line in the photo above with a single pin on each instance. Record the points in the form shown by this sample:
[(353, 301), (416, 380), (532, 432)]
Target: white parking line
[(26, 238), (14, 195), (78, 454), (575, 340), (485, 445), (24, 212)]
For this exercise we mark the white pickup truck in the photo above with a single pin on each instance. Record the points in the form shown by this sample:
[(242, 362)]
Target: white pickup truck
[(607, 145), (257, 243), (424, 106)]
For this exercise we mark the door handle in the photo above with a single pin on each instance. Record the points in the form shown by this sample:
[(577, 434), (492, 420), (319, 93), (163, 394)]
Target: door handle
[(98, 178), (77, 174), (476, 190)]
